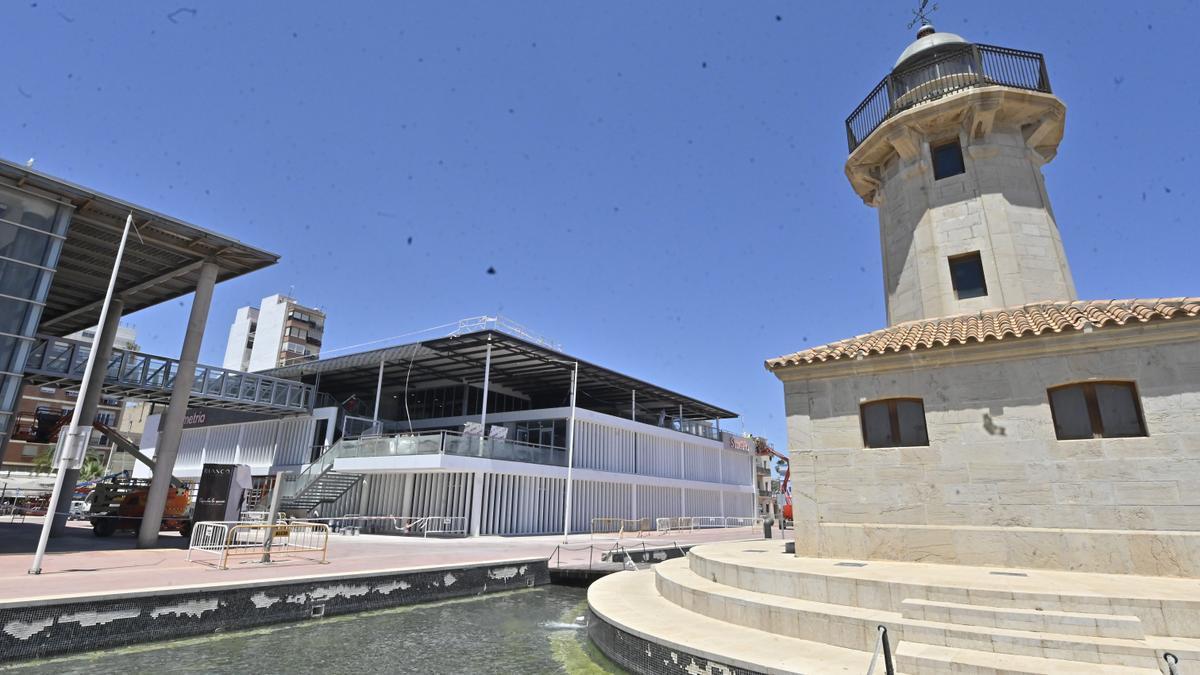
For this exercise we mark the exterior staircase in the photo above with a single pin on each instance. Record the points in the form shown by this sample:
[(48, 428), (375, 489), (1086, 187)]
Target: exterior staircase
[(326, 488), (318, 484)]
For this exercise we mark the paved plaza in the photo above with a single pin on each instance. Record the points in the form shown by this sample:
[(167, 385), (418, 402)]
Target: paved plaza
[(79, 563)]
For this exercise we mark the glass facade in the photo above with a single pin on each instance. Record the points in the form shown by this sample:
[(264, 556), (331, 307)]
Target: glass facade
[(448, 402), (32, 229)]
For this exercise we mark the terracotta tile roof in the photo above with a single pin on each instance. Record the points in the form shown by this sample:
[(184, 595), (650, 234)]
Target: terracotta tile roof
[(994, 324)]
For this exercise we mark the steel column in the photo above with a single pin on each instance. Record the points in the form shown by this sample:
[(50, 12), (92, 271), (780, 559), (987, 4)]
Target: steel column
[(88, 405), (487, 376), (71, 452), (378, 391), (476, 501), (570, 454)]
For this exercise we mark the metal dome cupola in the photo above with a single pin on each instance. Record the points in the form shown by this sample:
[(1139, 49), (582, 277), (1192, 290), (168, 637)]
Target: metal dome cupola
[(928, 44)]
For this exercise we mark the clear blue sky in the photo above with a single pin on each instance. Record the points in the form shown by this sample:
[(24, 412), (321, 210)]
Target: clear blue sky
[(659, 186)]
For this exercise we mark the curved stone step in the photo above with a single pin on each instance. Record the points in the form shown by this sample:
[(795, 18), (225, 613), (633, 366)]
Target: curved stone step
[(854, 627), (1038, 621), (1165, 606), (628, 602), (920, 658)]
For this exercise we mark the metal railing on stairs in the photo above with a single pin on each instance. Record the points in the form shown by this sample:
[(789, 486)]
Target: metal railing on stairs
[(882, 647)]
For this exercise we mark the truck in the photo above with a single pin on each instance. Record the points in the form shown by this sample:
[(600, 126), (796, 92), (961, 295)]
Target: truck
[(118, 504)]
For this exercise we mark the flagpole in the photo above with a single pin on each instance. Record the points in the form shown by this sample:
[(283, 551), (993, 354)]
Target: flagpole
[(73, 449)]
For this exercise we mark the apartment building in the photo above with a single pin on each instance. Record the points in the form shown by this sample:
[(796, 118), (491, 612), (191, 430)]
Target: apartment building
[(279, 332)]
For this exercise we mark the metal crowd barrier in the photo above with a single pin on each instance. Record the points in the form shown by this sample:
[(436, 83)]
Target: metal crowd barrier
[(227, 540), (353, 524), (427, 525), (620, 526), (666, 525)]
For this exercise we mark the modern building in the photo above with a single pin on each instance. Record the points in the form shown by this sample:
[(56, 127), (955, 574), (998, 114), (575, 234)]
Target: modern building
[(403, 434), (278, 332), (1002, 479), (43, 409)]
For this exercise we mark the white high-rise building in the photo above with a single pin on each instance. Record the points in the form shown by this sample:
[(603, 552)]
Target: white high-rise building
[(277, 333)]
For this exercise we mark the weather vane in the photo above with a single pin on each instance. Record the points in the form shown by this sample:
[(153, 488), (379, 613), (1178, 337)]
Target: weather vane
[(921, 13)]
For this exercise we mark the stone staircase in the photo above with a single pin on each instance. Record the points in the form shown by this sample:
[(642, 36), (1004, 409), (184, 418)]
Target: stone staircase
[(940, 618)]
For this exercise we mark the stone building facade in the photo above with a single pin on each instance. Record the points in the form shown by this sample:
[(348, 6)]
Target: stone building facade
[(992, 483), (997, 420)]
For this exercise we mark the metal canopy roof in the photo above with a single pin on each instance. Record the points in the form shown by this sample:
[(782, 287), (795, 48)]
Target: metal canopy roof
[(538, 372), (165, 266)]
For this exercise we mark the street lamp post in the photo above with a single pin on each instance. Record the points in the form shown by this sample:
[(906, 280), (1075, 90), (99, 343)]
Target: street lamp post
[(74, 445)]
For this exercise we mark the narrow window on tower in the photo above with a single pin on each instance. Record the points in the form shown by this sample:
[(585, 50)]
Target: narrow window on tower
[(966, 273), (947, 160)]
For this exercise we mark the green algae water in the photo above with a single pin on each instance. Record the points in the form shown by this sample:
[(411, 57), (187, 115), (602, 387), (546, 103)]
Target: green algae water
[(528, 631)]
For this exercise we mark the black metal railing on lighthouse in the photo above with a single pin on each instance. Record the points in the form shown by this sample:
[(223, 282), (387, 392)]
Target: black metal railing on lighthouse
[(950, 70)]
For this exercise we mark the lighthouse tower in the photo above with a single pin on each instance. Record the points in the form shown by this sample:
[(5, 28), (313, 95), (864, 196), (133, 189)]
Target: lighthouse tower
[(949, 149)]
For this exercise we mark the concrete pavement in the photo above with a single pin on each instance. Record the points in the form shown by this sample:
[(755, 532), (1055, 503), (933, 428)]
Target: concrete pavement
[(81, 564)]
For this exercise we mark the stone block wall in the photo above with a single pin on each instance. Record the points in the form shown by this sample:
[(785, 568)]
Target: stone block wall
[(998, 207), (994, 486)]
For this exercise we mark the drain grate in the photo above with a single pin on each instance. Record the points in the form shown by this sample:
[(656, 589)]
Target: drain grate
[(849, 564), (1009, 574), (754, 550)]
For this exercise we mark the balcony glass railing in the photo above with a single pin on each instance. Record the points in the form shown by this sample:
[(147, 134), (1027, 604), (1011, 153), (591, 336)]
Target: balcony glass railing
[(433, 443)]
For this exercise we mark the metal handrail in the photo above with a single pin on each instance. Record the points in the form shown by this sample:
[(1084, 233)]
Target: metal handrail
[(882, 647), (929, 79), (427, 443)]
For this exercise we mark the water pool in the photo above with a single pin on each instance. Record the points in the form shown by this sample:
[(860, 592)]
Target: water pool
[(527, 631)]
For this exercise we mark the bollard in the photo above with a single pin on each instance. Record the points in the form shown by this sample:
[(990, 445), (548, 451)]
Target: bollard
[(768, 523)]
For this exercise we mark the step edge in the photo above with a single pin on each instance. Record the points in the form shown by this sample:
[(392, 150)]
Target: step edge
[(1090, 641), (1025, 610), (975, 657), (700, 650)]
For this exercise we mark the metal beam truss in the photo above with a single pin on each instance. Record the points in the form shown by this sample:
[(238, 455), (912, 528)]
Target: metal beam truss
[(60, 361)]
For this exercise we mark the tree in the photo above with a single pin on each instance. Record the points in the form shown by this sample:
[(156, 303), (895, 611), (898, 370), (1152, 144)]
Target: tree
[(44, 461), (92, 468)]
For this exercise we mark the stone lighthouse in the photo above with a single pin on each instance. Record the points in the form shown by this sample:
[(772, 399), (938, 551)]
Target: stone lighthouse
[(1004, 478), (949, 148)]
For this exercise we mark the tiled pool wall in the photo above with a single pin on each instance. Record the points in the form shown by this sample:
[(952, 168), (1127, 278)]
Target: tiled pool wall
[(643, 657), (47, 627)]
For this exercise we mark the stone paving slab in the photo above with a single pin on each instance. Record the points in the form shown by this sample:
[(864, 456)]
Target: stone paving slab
[(994, 579), (79, 563)]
